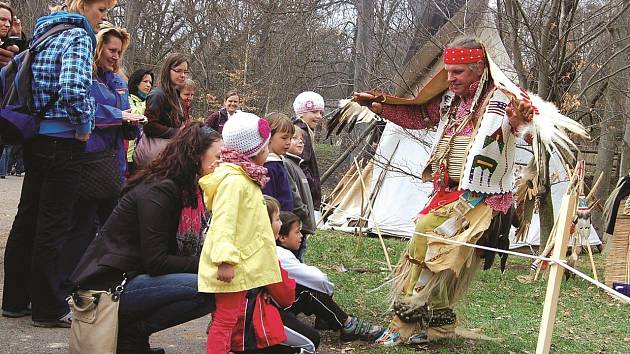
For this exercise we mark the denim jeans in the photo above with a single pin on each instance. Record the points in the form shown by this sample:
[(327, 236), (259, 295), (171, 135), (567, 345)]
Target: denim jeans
[(33, 252), (5, 157), (12, 155), (150, 304)]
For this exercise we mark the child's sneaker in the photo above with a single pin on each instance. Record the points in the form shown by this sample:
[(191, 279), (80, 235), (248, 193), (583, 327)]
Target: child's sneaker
[(359, 329), (389, 338)]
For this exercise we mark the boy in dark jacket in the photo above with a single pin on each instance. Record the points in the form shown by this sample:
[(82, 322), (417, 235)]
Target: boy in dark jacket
[(279, 185)]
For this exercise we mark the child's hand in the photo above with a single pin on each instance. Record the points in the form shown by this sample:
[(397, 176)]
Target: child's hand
[(225, 272)]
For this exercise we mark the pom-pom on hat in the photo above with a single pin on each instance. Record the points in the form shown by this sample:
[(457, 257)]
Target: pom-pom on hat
[(308, 101), (246, 133)]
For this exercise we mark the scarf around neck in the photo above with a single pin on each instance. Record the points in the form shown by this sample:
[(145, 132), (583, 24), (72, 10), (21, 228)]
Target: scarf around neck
[(191, 231), (256, 172)]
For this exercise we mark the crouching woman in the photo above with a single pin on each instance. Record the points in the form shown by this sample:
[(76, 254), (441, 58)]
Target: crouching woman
[(139, 242)]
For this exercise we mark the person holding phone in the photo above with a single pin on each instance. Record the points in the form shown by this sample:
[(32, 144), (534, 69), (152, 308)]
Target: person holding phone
[(18, 34), (7, 49)]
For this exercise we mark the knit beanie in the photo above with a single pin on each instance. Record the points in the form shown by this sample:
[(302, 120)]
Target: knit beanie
[(246, 133), (308, 101)]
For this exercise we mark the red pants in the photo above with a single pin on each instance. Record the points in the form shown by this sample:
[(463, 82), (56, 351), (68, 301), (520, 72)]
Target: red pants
[(224, 318)]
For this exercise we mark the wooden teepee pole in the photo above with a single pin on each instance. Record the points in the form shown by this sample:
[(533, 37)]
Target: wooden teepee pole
[(378, 228), (565, 216)]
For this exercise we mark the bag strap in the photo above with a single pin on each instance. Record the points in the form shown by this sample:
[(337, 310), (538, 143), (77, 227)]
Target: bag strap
[(57, 29)]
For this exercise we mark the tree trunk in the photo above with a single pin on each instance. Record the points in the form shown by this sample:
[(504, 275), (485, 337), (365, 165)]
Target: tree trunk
[(620, 33), (545, 206), (132, 11), (363, 44), (617, 122)]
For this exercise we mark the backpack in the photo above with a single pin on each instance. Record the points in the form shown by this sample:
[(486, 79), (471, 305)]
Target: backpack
[(18, 120)]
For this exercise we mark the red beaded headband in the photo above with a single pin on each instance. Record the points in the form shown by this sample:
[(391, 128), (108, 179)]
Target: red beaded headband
[(462, 55)]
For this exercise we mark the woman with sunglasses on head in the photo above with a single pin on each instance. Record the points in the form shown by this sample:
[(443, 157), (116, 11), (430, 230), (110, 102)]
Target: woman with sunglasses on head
[(104, 162)]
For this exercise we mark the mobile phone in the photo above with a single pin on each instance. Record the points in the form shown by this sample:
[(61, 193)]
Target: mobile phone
[(17, 41)]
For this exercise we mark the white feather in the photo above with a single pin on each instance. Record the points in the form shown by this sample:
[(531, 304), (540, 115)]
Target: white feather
[(551, 126), (343, 102)]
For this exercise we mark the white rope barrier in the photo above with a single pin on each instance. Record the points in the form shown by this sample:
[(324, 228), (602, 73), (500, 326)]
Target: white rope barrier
[(562, 263)]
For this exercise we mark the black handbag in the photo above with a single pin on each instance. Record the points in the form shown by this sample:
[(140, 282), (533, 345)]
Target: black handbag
[(100, 179)]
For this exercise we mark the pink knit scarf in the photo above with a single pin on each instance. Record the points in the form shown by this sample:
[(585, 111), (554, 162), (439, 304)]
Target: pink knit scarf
[(256, 172)]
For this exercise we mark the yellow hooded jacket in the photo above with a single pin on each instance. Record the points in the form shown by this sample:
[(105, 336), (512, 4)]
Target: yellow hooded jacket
[(240, 233)]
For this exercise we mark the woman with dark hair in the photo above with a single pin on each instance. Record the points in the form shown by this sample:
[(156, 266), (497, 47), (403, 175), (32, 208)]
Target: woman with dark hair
[(139, 242), (140, 84), (164, 110)]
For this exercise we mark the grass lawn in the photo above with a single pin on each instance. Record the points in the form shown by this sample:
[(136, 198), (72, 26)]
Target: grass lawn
[(588, 320)]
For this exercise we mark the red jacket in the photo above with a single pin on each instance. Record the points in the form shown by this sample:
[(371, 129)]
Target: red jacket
[(260, 326)]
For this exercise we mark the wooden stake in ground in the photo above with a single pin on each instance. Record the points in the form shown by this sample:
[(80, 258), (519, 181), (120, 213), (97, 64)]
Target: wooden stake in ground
[(378, 228), (567, 210)]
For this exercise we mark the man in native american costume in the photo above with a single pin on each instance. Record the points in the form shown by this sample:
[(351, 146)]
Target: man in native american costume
[(478, 113)]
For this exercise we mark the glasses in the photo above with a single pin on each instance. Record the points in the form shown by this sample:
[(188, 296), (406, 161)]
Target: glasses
[(297, 140), (180, 71)]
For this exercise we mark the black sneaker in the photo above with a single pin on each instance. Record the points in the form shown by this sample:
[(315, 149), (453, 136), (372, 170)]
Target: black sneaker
[(16, 314), (64, 321)]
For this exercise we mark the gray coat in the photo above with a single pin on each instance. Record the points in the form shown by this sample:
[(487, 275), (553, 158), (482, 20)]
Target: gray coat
[(302, 199)]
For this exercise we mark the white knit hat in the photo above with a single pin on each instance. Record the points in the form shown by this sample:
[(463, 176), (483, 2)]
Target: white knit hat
[(308, 101), (246, 133)]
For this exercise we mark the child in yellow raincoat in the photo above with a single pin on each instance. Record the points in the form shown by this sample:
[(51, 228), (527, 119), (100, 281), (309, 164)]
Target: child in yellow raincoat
[(239, 251)]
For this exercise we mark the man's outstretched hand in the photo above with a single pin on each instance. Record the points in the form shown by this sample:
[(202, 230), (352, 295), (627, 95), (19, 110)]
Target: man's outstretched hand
[(370, 100)]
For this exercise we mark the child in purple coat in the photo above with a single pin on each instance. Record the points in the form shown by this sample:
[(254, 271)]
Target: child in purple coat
[(279, 185)]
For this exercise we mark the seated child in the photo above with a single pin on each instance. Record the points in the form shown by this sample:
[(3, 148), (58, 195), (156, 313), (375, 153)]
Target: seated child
[(314, 290), (260, 328)]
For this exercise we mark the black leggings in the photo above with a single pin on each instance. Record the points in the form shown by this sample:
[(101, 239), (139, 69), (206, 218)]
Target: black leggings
[(313, 302)]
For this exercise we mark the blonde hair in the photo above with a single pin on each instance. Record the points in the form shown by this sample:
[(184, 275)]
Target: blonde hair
[(103, 36), (190, 83), (273, 206), (75, 5)]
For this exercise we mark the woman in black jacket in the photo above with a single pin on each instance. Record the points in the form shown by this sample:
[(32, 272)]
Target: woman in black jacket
[(164, 108), (139, 242)]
